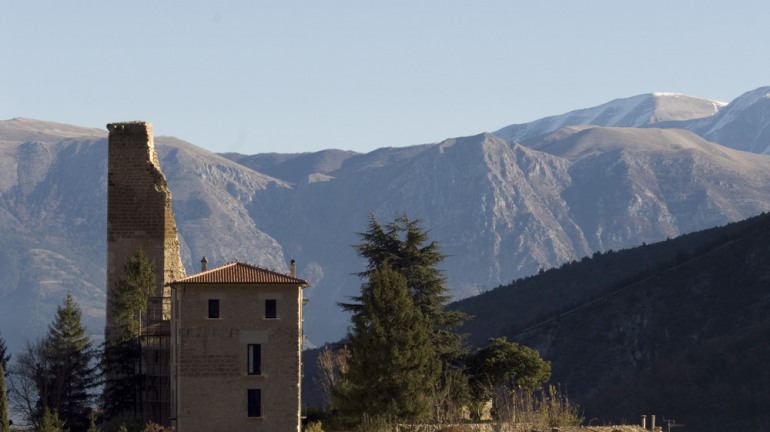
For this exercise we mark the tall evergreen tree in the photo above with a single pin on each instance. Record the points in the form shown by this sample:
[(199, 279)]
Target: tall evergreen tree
[(122, 354), (132, 293), (393, 365), (4, 421), (404, 246), (70, 373)]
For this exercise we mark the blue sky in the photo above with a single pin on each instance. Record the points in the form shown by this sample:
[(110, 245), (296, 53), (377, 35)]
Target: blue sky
[(293, 76)]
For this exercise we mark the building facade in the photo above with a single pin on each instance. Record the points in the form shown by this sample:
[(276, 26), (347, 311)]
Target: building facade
[(236, 344)]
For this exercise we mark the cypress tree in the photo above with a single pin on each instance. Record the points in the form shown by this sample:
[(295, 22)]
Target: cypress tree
[(393, 365)]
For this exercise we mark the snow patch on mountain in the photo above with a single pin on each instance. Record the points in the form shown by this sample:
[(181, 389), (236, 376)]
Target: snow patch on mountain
[(635, 111), (736, 107)]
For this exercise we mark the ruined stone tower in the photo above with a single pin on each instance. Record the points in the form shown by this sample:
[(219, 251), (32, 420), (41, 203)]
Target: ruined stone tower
[(139, 216)]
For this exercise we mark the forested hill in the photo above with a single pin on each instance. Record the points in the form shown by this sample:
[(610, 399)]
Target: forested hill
[(679, 328)]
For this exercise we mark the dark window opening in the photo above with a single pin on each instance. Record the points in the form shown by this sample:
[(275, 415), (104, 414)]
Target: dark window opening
[(254, 402), (255, 359), (271, 308), (213, 308)]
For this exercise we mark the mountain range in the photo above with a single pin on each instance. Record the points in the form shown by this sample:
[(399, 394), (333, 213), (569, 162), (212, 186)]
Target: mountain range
[(502, 205)]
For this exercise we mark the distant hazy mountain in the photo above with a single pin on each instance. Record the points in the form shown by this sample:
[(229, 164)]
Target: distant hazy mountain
[(741, 125), (636, 111), (500, 210)]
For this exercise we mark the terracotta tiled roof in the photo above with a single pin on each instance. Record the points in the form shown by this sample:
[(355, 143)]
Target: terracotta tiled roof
[(240, 273)]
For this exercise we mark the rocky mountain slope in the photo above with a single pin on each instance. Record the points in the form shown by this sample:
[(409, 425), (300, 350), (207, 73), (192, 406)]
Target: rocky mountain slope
[(500, 210)]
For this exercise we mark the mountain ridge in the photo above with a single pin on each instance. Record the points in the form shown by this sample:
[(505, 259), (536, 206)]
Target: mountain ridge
[(661, 333), (500, 210), (635, 111)]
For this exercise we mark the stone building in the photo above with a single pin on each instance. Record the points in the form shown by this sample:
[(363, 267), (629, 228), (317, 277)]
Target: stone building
[(139, 216), (236, 349), (230, 358)]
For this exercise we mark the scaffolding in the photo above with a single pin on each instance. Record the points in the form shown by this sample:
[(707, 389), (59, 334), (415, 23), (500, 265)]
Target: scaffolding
[(156, 362)]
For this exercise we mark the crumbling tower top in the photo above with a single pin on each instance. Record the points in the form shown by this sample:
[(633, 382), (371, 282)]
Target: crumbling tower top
[(130, 126), (139, 214)]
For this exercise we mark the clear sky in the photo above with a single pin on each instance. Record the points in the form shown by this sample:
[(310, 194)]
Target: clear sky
[(257, 76)]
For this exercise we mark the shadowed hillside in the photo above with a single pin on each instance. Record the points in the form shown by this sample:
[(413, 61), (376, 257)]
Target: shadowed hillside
[(678, 328)]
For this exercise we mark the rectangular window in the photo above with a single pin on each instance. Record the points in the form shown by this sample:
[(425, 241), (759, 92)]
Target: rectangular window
[(255, 359), (213, 308), (254, 402), (271, 308)]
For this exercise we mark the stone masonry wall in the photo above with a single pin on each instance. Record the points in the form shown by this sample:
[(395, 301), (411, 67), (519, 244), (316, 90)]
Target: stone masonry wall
[(139, 214), (212, 357)]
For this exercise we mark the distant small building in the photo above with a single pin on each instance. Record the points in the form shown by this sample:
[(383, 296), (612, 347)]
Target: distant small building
[(236, 344)]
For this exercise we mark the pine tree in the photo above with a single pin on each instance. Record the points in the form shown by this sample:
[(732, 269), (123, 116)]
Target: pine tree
[(69, 374), (4, 421), (403, 246), (393, 365)]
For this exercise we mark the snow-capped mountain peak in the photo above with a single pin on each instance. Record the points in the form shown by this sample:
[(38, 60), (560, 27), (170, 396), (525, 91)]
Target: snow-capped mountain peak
[(635, 111)]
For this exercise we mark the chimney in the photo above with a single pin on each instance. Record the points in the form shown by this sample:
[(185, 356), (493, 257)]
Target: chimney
[(652, 422), (204, 263), (644, 421), (293, 269)]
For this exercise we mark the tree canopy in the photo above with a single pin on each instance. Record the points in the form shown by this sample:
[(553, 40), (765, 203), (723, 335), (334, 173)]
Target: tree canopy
[(400, 326), (122, 353), (405, 358), (404, 246), (58, 373), (392, 365), (132, 292), (503, 364), (72, 372)]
